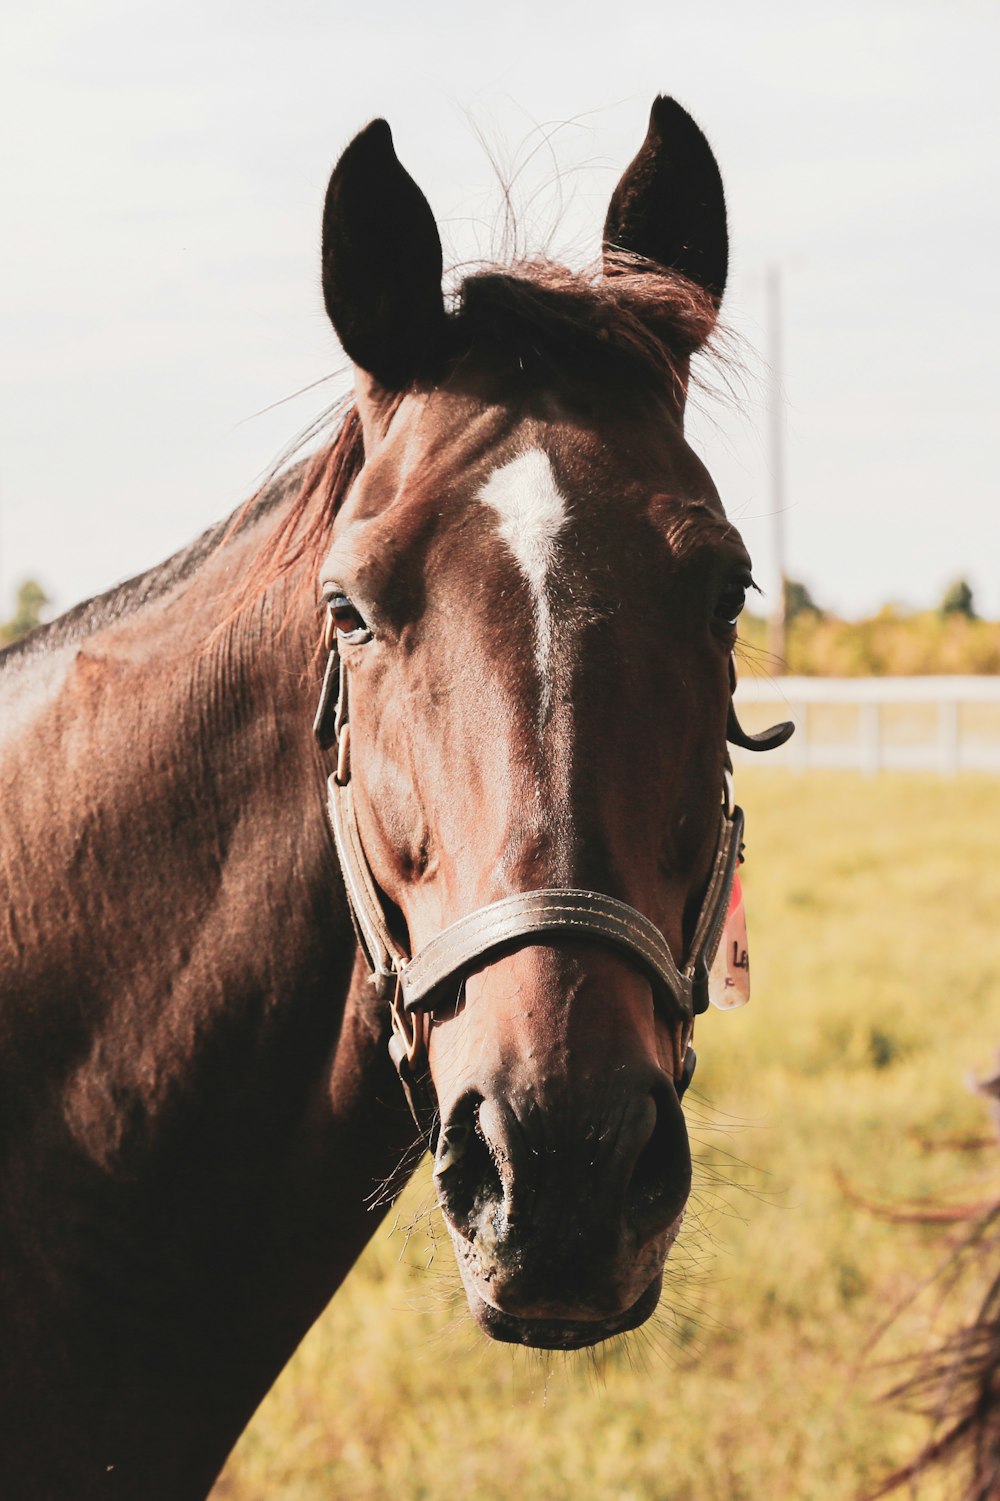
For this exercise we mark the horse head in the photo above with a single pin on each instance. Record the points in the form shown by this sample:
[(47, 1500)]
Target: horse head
[(533, 593)]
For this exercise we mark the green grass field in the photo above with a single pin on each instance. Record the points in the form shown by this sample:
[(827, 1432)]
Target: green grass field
[(873, 908)]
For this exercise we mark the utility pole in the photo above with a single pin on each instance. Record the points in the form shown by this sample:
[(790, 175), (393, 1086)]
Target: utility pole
[(776, 622)]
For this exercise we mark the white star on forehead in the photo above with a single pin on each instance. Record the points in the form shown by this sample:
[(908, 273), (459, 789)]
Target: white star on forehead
[(531, 512)]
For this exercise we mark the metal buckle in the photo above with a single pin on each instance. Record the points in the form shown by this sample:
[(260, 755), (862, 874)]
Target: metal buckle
[(408, 1027)]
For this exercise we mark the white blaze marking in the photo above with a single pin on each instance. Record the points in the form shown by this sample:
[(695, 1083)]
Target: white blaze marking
[(532, 512)]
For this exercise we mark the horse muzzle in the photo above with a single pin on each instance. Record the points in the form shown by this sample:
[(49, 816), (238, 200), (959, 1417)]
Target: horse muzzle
[(562, 1166)]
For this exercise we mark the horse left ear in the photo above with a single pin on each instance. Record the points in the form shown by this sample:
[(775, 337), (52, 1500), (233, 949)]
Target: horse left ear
[(669, 206), (382, 263)]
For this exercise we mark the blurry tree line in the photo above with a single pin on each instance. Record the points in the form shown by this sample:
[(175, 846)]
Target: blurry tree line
[(29, 611), (892, 643)]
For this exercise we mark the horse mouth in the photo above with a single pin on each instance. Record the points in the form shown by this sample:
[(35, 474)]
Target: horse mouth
[(563, 1334)]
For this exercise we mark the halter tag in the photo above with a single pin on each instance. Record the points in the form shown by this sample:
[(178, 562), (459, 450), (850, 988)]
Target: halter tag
[(729, 976)]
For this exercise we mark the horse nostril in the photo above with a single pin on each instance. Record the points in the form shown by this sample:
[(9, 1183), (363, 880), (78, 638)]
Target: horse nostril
[(661, 1177), (465, 1174)]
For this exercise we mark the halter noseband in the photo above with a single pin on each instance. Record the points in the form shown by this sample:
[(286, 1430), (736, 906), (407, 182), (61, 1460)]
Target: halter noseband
[(412, 981)]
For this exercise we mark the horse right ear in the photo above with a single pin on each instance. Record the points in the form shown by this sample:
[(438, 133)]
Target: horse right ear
[(669, 206), (382, 263)]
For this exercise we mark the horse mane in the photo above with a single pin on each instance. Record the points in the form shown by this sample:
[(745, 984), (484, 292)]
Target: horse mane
[(303, 533), (625, 318), (123, 599)]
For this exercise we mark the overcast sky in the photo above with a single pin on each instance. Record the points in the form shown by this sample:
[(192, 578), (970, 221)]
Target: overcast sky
[(163, 180)]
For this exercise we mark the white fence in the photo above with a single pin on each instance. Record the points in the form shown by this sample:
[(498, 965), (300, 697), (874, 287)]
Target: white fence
[(945, 724)]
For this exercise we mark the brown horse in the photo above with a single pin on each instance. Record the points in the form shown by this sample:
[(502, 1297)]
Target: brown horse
[(531, 594)]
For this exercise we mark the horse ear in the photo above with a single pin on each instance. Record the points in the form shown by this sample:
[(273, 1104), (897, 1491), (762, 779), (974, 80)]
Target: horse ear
[(669, 206), (382, 262)]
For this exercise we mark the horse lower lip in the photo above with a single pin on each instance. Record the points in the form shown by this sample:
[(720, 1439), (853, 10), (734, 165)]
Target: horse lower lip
[(564, 1334)]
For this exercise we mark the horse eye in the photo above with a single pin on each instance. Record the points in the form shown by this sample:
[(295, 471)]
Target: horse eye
[(349, 622), (729, 605)]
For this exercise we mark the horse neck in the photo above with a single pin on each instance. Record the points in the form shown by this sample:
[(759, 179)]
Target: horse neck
[(184, 1063), (168, 793)]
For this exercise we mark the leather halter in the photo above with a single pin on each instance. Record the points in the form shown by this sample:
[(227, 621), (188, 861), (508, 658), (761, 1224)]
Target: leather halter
[(412, 982)]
